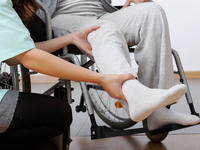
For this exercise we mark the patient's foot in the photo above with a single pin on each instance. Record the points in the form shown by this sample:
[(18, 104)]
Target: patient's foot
[(166, 116), (142, 101)]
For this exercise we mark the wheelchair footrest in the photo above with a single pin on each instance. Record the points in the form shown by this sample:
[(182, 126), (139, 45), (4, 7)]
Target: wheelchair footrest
[(106, 132), (168, 128)]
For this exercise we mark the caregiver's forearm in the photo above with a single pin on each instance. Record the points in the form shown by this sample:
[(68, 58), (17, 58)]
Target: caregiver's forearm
[(54, 44), (49, 64)]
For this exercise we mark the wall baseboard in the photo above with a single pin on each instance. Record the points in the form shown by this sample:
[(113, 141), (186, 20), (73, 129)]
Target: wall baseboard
[(49, 79), (190, 75)]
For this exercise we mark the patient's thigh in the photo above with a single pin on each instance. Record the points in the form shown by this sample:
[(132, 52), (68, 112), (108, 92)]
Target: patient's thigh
[(71, 23), (129, 21)]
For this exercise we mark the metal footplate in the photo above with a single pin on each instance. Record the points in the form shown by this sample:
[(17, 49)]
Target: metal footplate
[(168, 128), (99, 132)]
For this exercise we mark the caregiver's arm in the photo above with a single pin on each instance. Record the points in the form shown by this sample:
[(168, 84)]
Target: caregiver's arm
[(43, 62), (78, 38)]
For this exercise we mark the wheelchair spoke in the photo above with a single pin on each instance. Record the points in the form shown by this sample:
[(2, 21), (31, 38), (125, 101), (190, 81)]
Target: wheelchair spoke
[(112, 110)]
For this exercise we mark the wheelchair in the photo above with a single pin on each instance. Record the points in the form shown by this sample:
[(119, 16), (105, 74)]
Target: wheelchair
[(94, 98)]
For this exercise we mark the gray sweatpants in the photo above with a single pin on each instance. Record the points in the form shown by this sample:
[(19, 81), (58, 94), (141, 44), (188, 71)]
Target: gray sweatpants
[(144, 25)]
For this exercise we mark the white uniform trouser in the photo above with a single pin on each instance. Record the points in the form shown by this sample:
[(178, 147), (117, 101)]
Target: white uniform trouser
[(144, 25)]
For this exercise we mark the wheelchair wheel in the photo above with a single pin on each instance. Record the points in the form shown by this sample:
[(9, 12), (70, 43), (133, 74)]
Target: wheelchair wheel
[(154, 138), (110, 110), (9, 78)]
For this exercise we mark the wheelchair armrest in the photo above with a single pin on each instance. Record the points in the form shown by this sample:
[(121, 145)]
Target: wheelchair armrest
[(118, 7), (73, 49)]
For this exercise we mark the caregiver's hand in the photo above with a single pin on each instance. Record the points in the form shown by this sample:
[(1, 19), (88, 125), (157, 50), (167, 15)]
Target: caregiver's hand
[(128, 2), (113, 84), (79, 38)]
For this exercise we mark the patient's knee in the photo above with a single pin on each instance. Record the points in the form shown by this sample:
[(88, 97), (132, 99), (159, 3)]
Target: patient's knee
[(107, 29), (107, 35)]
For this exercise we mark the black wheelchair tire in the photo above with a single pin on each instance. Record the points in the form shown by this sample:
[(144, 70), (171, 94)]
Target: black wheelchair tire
[(154, 138)]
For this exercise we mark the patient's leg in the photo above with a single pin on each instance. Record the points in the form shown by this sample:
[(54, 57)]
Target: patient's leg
[(167, 116), (111, 55), (145, 25)]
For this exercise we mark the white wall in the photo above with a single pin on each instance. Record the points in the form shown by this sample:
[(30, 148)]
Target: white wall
[(184, 24)]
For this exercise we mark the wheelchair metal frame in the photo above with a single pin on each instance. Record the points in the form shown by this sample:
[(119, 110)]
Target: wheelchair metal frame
[(96, 130)]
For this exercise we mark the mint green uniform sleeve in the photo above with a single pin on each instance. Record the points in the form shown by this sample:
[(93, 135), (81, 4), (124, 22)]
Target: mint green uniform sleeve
[(14, 37)]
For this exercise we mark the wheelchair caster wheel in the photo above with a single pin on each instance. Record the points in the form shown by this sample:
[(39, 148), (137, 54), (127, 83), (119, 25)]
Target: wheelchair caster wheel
[(154, 138), (83, 109), (80, 108), (73, 100)]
